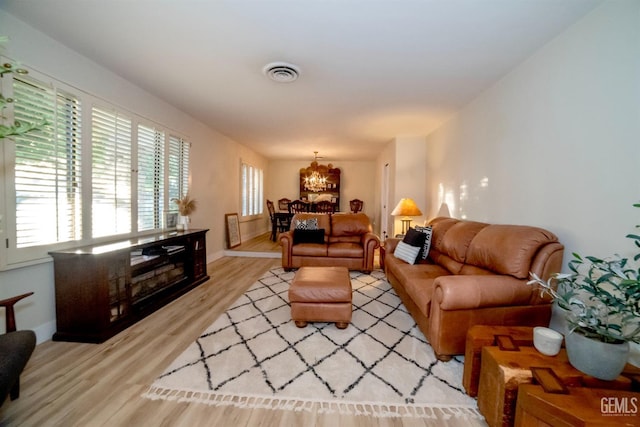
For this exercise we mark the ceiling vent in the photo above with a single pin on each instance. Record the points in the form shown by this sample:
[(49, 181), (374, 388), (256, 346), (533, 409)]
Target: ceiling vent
[(281, 72)]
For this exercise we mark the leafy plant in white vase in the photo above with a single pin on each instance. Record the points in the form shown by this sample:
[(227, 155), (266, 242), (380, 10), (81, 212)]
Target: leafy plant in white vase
[(601, 298)]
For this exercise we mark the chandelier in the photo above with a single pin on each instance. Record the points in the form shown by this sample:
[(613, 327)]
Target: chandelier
[(315, 181)]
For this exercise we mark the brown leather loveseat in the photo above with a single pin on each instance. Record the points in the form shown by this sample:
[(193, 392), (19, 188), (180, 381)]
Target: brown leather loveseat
[(348, 241), (475, 274)]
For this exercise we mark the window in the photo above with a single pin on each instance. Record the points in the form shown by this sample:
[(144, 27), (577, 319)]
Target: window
[(252, 190), (111, 173), (150, 178), (178, 169), (47, 174), (93, 171)]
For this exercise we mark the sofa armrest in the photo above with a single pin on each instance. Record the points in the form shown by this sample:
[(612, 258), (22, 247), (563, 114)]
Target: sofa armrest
[(390, 244), (286, 241), (370, 242), (465, 292)]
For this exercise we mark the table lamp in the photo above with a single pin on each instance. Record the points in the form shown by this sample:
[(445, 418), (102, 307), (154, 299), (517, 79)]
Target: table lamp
[(406, 208)]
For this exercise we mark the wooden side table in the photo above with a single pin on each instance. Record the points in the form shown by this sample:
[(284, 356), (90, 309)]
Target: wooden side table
[(502, 371), (382, 254), (579, 407), (480, 336)]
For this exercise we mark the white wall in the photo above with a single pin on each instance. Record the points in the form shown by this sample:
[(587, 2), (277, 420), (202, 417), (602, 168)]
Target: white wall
[(215, 160), (411, 173), (406, 156), (556, 143), (386, 157)]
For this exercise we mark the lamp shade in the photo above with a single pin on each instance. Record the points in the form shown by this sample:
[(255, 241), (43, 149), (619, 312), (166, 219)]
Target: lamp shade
[(406, 207)]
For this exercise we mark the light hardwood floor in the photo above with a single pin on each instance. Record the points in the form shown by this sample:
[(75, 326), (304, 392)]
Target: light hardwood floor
[(74, 384), (261, 243)]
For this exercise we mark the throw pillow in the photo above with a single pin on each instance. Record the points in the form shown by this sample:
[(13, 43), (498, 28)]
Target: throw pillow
[(308, 236), (406, 252), (414, 238), (428, 231), (410, 247), (306, 224)]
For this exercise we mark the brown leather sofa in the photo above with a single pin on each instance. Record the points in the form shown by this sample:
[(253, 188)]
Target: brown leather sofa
[(475, 274), (348, 242)]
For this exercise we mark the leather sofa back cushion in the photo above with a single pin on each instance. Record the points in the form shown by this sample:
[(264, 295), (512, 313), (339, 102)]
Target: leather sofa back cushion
[(349, 224), (457, 239), (508, 249), (439, 227)]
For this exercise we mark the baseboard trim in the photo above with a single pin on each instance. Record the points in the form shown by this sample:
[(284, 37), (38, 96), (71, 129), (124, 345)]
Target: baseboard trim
[(248, 254)]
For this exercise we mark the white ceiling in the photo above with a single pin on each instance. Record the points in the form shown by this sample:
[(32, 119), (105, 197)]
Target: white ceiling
[(371, 70)]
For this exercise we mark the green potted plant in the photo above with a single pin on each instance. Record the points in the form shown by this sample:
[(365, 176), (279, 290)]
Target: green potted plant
[(601, 299)]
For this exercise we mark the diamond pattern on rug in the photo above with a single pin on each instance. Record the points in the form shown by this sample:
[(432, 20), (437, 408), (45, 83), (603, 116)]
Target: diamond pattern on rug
[(254, 353)]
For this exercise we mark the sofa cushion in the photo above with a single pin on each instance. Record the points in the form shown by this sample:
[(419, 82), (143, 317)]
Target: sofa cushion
[(457, 239), (508, 249), (420, 290), (345, 239), (439, 227), (418, 281), (345, 250), (350, 224), (308, 236), (309, 249)]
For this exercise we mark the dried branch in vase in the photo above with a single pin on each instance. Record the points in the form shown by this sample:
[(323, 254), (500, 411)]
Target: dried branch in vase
[(186, 205)]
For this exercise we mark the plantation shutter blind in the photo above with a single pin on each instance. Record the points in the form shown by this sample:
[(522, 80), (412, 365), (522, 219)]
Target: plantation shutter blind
[(257, 195), (150, 178), (178, 169), (252, 189), (47, 165), (246, 185), (111, 173)]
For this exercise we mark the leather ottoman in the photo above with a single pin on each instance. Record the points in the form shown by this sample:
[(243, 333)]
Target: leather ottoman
[(321, 294)]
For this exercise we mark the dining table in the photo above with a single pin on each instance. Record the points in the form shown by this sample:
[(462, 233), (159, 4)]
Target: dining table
[(282, 221)]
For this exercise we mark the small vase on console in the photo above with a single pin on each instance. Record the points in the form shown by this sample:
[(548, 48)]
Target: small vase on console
[(183, 223)]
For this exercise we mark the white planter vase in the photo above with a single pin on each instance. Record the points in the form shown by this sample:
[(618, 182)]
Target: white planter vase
[(183, 223), (596, 358), (558, 320)]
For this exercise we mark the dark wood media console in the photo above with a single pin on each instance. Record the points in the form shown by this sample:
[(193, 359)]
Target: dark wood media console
[(103, 289)]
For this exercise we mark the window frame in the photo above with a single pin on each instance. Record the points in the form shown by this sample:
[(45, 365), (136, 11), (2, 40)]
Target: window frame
[(256, 201), (13, 257)]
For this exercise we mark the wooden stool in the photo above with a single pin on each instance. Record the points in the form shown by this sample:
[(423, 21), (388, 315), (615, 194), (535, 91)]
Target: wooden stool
[(578, 407), (502, 371), (321, 294), (480, 336)]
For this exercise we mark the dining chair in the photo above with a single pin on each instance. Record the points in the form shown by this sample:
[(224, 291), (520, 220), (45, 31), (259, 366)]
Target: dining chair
[(279, 220), (356, 205), (283, 204), (298, 206), (325, 206)]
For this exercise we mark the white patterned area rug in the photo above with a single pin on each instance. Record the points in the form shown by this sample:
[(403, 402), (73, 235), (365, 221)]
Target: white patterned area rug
[(254, 356)]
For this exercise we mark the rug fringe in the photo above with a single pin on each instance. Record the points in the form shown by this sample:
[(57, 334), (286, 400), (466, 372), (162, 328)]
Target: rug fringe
[(376, 409)]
